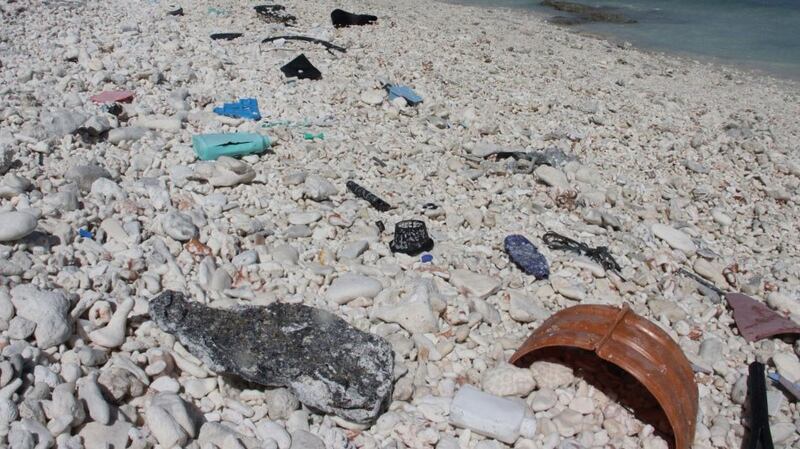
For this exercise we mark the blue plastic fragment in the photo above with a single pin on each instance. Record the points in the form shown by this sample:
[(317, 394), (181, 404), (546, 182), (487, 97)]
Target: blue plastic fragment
[(426, 258), (244, 108), (85, 233), (397, 90), (526, 256)]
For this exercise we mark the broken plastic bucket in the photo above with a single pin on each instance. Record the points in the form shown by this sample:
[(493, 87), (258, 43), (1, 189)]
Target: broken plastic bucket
[(642, 349)]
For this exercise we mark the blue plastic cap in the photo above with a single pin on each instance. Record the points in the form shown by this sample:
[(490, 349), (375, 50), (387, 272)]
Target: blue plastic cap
[(426, 258), (85, 233)]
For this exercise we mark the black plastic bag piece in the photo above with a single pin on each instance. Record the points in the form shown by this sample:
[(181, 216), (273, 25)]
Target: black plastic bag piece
[(410, 237), (342, 18), (301, 68), (368, 196), (760, 435), (225, 36)]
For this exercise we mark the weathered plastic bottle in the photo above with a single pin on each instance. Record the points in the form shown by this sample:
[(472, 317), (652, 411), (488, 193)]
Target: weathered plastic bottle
[(211, 146)]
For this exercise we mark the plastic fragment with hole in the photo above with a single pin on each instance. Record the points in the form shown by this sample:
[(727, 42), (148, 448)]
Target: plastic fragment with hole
[(209, 147), (630, 342)]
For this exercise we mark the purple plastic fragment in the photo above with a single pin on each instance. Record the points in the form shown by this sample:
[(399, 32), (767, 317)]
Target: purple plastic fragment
[(756, 321), (526, 256)]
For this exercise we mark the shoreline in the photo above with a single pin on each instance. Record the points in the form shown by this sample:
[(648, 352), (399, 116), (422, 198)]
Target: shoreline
[(717, 63)]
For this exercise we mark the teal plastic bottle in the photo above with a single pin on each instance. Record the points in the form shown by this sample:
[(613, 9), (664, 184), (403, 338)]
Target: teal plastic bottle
[(211, 146)]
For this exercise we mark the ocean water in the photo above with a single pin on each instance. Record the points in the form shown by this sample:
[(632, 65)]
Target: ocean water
[(763, 35)]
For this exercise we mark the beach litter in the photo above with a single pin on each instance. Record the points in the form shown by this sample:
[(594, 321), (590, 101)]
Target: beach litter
[(368, 196), (211, 146), (600, 254), (759, 436), (275, 14), (399, 91), (244, 108), (527, 257), (113, 96), (301, 68), (341, 18), (328, 46), (411, 237), (631, 342), (225, 36)]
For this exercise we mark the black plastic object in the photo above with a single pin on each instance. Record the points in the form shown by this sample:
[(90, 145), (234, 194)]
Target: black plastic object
[(301, 68), (411, 237), (275, 14), (379, 224), (342, 18), (760, 435), (368, 196), (600, 254), (328, 46), (225, 36), (175, 10)]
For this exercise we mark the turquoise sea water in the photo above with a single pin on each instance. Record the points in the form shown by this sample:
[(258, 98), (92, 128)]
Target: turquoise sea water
[(754, 34)]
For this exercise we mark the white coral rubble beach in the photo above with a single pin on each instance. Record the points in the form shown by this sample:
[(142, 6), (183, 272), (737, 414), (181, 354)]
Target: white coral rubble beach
[(677, 164)]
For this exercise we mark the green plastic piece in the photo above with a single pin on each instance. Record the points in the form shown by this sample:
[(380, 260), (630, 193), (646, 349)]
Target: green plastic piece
[(211, 146), (311, 136)]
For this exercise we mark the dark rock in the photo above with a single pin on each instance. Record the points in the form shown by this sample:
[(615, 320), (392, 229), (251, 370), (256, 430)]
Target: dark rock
[(329, 365), (588, 13)]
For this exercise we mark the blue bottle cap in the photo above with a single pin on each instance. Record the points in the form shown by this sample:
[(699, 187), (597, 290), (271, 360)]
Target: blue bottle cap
[(426, 258)]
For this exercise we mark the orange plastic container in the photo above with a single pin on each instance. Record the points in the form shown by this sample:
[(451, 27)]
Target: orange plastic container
[(631, 342)]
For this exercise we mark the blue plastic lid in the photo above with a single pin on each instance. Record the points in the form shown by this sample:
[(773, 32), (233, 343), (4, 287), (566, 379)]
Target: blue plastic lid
[(85, 233), (426, 258)]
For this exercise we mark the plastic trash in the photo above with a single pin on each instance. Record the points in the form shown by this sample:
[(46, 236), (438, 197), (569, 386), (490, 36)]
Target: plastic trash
[(341, 18), (211, 146), (312, 136), (380, 225), (85, 233), (789, 386), (368, 196), (244, 108), (527, 257), (275, 14), (426, 258), (600, 254), (411, 237), (225, 36), (495, 417), (301, 68), (631, 342), (756, 320), (174, 10), (113, 96), (328, 46), (396, 90), (218, 12), (760, 435)]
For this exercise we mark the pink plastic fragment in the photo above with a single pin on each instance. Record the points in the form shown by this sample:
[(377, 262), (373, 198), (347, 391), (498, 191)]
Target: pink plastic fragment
[(757, 321), (113, 96)]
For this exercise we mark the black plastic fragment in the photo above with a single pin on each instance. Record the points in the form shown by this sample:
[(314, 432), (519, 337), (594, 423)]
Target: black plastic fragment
[(301, 68), (225, 36), (411, 237), (342, 18), (368, 196), (760, 435)]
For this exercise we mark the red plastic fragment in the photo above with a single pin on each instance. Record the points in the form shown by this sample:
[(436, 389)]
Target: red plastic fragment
[(113, 96), (757, 321)]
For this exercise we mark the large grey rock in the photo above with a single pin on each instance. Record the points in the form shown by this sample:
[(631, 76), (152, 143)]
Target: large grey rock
[(328, 364)]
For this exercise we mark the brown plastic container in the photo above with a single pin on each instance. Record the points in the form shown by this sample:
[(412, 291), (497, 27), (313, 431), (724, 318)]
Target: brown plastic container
[(630, 342)]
